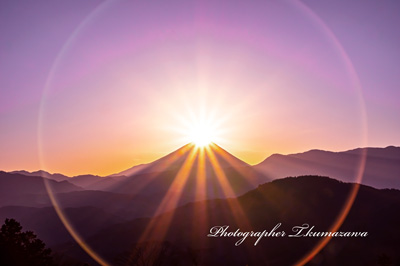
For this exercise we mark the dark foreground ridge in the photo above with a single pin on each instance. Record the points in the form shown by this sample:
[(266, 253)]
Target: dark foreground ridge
[(291, 202)]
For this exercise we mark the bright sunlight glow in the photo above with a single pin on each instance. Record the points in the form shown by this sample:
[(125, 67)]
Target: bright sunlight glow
[(201, 135), (201, 126)]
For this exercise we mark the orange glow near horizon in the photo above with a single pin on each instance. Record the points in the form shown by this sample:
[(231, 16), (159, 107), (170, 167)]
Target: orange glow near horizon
[(108, 151), (108, 131), (110, 144), (137, 99)]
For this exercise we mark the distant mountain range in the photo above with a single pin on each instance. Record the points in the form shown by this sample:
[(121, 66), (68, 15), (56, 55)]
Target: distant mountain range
[(29, 190), (382, 168), (83, 181), (41, 173), (186, 175), (205, 187), (190, 174)]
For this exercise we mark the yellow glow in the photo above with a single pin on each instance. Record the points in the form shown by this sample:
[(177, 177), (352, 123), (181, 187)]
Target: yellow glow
[(202, 135)]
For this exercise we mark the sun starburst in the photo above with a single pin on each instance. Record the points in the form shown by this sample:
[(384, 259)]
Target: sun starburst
[(201, 134)]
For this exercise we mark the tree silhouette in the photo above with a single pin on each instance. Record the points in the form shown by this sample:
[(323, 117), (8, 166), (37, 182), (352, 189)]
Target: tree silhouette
[(21, 248)]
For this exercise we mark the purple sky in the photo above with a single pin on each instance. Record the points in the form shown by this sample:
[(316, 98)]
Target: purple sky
[(185, 43)]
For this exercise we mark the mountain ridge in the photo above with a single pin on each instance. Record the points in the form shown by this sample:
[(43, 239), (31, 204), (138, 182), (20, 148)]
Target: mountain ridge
[(382, 165)]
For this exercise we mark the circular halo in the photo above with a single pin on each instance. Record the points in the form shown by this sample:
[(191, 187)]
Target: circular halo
[(308, 14)]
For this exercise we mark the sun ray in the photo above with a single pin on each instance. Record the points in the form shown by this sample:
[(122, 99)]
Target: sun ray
[(162, 165), (201, 193), (169, 202), (250, 175), (201, 178), (236, 208)]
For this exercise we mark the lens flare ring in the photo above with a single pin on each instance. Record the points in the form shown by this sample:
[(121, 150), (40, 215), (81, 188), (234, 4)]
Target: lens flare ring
[(201, 133)]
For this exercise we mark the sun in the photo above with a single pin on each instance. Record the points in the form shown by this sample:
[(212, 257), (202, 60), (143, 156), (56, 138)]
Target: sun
[(201, 127), (201, 135)]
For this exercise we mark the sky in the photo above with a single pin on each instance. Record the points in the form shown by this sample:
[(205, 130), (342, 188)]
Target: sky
[(99, 86)]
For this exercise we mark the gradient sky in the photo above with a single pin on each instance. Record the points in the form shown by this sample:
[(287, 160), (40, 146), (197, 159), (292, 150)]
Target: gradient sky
[(97, 87)]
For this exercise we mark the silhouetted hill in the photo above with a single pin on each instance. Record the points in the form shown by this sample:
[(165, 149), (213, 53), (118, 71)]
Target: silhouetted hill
[(290, 201), (13, 186), (382, 169), (56, 177), (86, 181), (122, 205), (47, 225), (30, 191), (83, 181), (131, 171)]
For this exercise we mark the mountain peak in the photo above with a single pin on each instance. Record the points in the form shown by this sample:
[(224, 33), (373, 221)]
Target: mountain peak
[(212, 155), (196, 172), (42, 173)]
